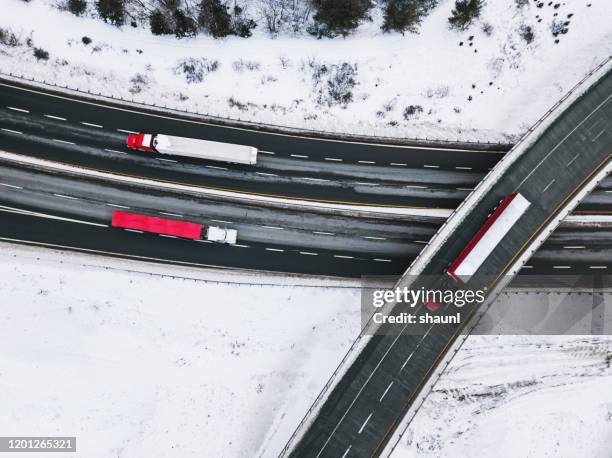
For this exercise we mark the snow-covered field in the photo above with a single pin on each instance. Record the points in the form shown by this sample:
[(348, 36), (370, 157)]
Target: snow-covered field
[(511, 397), (423, 85), (142, 360), (143, 365)]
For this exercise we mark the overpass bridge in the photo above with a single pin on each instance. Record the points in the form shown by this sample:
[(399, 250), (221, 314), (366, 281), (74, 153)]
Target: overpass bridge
[(382, 380)]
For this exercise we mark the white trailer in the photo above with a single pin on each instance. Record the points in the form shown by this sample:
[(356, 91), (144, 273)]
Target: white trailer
[(495, 228), (193, 147)]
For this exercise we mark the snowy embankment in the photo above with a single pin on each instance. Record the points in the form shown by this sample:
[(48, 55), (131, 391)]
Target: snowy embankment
[(139, 359), (485, 84)]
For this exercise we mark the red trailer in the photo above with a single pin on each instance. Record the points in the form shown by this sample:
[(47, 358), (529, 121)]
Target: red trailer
[(157, 225)]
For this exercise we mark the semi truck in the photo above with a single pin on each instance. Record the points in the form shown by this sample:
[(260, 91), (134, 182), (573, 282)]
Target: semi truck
[(192, 147), (489, 236), (172, 227)]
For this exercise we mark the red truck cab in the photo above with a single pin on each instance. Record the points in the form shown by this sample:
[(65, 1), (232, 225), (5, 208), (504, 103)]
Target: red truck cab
[(141, 142)]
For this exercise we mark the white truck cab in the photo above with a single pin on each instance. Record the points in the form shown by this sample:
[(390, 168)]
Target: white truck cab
[(221, 235)]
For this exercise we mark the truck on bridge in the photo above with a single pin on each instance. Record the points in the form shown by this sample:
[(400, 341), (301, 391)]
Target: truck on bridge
[(193, 148), (495, 228), (173, 228)]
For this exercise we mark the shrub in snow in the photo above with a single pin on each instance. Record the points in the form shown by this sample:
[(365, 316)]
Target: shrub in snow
[(194, 70), (526, 33), (559, 27), (242, 25), (412, 110), (168, 18), (86, 40), (334, 84), (41, 54), (8, 38), (240, 65), (139, 83), (338, 17), (464, 13), (289, 15), (214, 18), (233, 103), (487, 28), (76, 7), (112, 11)]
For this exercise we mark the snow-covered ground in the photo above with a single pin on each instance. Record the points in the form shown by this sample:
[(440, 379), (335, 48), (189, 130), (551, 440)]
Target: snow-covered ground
[(427, 85), (510, 397), (138, 359), (143, 365)]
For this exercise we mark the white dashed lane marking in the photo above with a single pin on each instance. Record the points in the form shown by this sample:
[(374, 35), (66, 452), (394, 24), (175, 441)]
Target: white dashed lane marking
[(12, 131), (10, 186), (63, 196), (22, 110)]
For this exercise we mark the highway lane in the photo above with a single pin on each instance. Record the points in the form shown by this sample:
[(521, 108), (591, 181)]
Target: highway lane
[(54, 231), (94, 146), (104, 240), (113, 117), (372, 397), (365, 241), (36, 135)]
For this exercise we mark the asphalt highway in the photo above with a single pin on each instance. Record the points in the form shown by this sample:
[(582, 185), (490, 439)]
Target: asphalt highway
[(301, 242)]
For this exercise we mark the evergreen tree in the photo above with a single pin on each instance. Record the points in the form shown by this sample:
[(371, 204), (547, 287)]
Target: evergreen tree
[(214, 17), (112, 11), (77, 7), (402, 16), (464, 13), (335, 17)]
